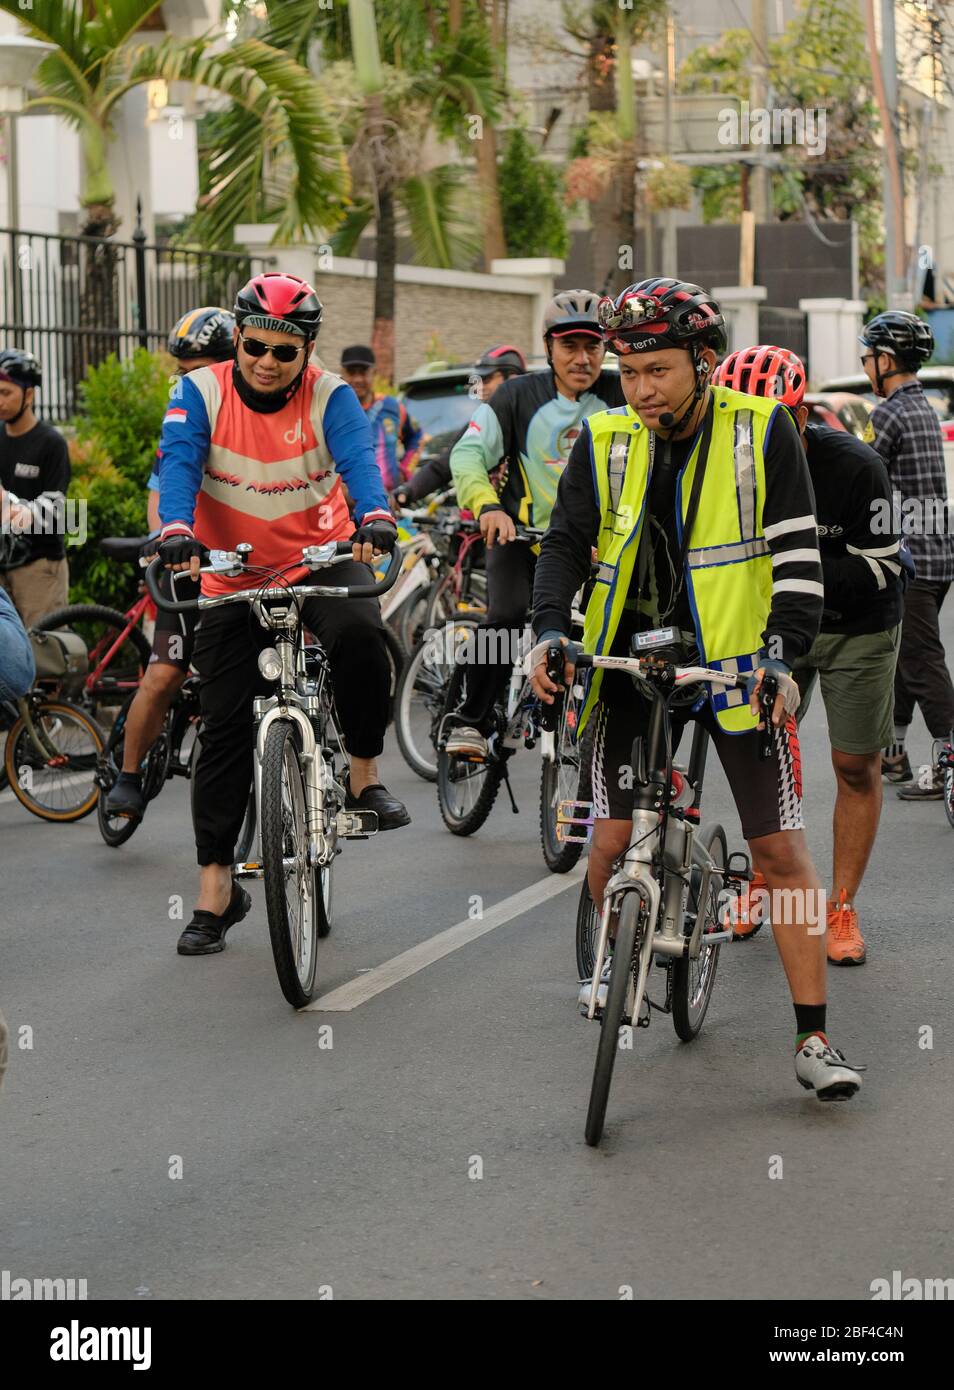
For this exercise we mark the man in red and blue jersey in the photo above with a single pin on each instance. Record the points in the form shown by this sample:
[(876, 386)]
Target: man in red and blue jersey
[(390, 423), (257, 450)]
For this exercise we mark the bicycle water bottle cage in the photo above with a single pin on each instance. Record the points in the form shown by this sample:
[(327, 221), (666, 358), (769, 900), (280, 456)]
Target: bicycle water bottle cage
[(572, 814)]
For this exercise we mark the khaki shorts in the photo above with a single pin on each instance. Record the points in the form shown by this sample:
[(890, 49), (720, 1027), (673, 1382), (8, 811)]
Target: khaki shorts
[(856, 674), (38, 588)]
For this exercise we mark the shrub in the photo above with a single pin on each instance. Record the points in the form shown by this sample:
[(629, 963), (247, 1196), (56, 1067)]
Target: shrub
[(115, 506), (534, 224)]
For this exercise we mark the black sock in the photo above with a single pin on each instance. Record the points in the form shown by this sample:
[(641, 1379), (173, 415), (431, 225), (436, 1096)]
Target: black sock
[(131, 777), (809, 1018)]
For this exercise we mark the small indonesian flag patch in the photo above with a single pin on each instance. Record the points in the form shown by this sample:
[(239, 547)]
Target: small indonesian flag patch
[(175, 415)]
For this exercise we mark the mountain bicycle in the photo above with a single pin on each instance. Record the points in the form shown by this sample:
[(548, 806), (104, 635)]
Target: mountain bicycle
[(174, 753), (666, 890), (299, 753)]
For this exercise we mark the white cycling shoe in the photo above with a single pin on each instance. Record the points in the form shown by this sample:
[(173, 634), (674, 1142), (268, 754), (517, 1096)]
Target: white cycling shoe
[(602, 990), (466, 742), (821, 1068)]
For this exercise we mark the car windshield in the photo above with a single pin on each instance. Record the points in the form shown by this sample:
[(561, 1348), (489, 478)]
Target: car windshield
[(443, 406)]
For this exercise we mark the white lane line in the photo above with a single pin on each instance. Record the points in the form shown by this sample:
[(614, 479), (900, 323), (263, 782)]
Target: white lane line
[(392, 972)]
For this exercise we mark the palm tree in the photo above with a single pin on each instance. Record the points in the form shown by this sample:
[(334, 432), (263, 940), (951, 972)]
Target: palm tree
[(98, 60)]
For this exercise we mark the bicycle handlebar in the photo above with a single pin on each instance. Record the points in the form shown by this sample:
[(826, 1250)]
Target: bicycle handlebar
[(685, 675), (313, 557)]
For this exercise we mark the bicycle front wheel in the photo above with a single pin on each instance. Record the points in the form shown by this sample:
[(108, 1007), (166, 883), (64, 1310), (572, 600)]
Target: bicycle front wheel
[(618, 1010), (54, 776), (949, 795), (567, 776), (466, 790), (290, 898), (692, 980)]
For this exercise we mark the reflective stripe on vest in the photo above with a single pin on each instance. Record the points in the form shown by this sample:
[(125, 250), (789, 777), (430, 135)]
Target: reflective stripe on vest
[(729, 566)]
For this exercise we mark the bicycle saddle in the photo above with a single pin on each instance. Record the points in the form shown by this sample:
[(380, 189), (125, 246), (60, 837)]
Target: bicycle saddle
[(122, 547)]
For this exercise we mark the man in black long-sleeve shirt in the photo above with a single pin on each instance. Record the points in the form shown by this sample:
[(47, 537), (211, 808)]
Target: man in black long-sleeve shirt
[(854, 655), (749, 564)]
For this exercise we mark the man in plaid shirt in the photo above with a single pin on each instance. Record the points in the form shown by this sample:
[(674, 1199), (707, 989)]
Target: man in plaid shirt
[(905, 431)]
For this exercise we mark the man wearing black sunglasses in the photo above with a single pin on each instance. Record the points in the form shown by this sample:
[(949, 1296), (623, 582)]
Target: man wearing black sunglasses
[(257, 450)]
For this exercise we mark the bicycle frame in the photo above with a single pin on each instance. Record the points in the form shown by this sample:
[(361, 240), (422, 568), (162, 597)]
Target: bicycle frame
[(143, 607), (662, 845)]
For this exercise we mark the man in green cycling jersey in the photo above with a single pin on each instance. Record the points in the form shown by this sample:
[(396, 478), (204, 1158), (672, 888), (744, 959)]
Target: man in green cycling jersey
[(530, 424), (199, 338), (699, 503)]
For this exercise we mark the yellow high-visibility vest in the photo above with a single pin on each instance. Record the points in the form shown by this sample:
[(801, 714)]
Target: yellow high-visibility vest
[(728, 565)]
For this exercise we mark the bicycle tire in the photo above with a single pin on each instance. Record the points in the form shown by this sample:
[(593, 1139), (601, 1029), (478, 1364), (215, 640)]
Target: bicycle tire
[(92, 613), (693, 980), (19, 746), (949, 796), (464, 822), (296, 965), (396, 661), (587, 930), (621, 976), (427, 676), (560, 856), (115, 830)]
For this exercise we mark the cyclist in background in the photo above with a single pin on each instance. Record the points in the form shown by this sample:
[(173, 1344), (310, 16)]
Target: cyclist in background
[(390, 423), (530, 425), (492, 369), (201, 338), (854, 655), (256, 451), (34, 476), (699, 502), (905, 431)]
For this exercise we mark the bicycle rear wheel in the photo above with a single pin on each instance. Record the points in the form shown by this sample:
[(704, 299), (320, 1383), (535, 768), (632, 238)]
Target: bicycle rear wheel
[(619, 1009), (949, 795), (118, 653), (466, 791), (692, 980), (421, 695), (59, 782), (290, 898)]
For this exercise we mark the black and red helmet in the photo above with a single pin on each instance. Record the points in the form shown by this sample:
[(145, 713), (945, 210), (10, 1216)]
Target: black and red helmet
[(505, 358), (282, 303), (772, 372), (660, 313), (205, 332)]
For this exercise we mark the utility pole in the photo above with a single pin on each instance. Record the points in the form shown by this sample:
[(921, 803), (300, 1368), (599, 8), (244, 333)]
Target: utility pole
[(669, 254), (897, 295), (761, 184)]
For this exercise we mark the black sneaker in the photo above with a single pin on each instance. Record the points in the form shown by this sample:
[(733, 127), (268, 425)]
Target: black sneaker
[(125, 797), (897, 770), (205, 934)]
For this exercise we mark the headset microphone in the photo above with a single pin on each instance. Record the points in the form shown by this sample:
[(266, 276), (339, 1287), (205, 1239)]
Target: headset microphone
[(667, 419)]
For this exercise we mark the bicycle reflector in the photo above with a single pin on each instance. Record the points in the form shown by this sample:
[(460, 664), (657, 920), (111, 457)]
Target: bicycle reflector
[(270, 664)]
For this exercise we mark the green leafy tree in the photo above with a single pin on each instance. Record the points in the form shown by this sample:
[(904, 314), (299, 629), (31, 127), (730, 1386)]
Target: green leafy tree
[(534, 222), (100, 56), (818, 63)]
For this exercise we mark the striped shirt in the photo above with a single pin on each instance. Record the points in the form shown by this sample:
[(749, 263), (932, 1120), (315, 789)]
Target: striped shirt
[(906, 433)]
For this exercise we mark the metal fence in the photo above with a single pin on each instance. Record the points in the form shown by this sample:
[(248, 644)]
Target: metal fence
[(73, 300)]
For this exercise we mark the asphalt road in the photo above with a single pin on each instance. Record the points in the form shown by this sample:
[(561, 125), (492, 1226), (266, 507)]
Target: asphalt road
[(428, 1143)]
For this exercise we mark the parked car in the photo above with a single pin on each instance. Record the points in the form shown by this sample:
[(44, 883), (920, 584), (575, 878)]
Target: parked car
[(938, 384), (839, 409)]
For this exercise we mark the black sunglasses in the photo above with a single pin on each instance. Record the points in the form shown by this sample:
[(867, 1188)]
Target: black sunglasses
[(282, 352)]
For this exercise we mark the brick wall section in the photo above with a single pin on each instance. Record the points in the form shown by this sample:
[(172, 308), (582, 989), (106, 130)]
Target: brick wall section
[(466, 321)]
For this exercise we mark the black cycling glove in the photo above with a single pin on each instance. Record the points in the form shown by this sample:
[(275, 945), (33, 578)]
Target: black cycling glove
[(179, 550), (379, 533)]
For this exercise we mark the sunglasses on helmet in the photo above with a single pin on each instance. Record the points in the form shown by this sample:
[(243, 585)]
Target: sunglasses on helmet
[(282, 352), (639, 308)]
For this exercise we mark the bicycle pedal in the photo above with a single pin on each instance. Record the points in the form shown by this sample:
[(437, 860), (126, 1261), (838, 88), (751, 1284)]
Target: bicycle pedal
[(356, 825), (743, 874), (252, 868)]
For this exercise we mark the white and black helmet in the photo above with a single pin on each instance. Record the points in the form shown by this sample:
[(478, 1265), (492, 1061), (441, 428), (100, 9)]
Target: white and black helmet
[(572, 311)]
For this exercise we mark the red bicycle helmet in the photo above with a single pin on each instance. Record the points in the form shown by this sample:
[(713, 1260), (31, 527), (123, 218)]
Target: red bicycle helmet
[(772, 372), (282, 303)]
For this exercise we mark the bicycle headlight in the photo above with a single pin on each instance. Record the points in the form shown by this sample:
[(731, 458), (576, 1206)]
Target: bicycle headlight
[(270, 664)]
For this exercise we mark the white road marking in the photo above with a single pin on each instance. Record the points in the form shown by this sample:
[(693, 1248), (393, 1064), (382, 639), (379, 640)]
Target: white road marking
[(392, 972)]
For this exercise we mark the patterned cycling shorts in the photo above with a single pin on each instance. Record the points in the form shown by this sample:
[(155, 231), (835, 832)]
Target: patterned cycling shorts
[(767, 793)]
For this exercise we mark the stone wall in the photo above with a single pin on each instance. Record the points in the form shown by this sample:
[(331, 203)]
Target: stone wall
[(462, 321)]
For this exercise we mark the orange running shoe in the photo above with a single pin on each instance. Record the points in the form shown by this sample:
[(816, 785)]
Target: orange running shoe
[(846, 945), (748, 916)]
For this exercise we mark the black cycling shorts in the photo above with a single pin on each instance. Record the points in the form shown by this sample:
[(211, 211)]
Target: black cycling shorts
[(767, 793), (175, 632)]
